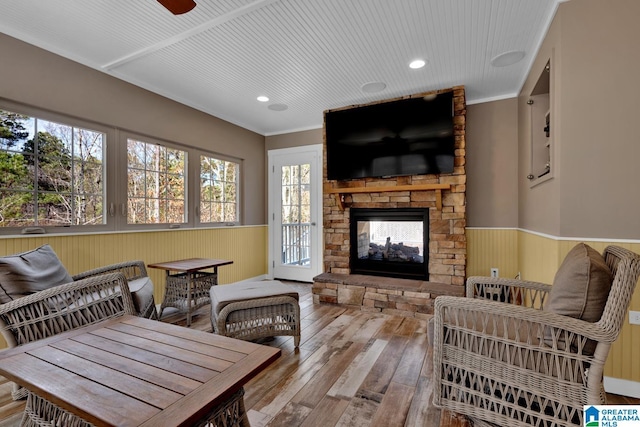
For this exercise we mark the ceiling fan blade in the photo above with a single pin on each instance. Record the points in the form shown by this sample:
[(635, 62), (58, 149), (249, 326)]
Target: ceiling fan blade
[(178, 7)]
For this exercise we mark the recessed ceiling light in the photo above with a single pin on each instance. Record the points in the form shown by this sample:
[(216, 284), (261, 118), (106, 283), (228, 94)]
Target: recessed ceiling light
[(418, 63), (507, 58), (263, 98), (278, 107), (373, 87)]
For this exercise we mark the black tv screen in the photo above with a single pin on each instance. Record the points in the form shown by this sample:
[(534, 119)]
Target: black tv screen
[(411, 136)]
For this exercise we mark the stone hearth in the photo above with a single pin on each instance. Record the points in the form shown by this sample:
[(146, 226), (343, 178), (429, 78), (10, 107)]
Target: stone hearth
[(400, 297)]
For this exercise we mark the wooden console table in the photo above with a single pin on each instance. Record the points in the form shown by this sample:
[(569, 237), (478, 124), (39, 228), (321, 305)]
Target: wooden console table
[(340, 192)]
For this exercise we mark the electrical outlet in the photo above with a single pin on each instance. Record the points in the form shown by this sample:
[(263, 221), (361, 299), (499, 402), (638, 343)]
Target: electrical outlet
[(494, 272), (634, 317)]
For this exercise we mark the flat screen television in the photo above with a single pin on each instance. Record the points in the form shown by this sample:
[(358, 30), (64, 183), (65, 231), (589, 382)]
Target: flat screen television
[(412, 136)]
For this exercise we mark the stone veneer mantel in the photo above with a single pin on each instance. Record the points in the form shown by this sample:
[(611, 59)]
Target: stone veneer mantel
[(340, 192)]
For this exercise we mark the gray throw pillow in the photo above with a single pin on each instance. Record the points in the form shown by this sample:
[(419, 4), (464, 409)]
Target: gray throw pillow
[(580, 288), (29, 272), (581, 285)]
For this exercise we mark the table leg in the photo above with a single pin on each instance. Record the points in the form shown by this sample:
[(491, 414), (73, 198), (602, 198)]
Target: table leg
[(166, 291), (189, 296)]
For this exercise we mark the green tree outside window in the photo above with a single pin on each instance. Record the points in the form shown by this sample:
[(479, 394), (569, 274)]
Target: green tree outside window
[(51, 174)]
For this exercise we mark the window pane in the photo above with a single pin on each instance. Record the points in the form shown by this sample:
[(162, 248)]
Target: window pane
[(174, 157), (91, 209), (136, 211), (152, 184), (15, 173), (135, 154), (205, 167), (216, 212), (152, 211), (174, 211), (136, 183), (206, 191), (156, 183), (88, 177), (230, 192), (286, 175), (54, 174), (87, 145), (67, 174), (232, 171), (54, 209), (152, 156), (174, 188), (206, 213), (217, 193), (17, 209), (295, 194), (218, 190), (230, 212), (15, 131), (305, 174), (54, 139)]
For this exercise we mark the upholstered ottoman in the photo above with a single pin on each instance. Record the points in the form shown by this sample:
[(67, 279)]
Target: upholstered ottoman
[(252, 310)]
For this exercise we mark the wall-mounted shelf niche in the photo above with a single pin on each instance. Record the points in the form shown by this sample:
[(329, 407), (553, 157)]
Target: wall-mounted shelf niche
[(340, 192), (541, 144)]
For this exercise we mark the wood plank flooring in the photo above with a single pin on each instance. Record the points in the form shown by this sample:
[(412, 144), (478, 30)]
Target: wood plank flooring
[(352, 369)]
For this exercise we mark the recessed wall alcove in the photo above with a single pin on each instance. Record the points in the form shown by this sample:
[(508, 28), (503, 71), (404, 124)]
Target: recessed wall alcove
[(444, 195)]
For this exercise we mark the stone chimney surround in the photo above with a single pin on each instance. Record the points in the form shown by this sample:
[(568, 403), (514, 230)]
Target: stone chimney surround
[(443, 194)]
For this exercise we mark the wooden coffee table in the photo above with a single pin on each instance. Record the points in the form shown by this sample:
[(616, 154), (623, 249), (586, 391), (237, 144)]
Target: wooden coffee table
[(131, 371), (187, 289)]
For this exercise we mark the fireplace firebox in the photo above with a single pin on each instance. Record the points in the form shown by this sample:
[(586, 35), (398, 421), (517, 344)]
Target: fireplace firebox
[(390, 242)]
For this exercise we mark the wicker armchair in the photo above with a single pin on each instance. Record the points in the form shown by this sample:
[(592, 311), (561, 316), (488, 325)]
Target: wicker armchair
[(138, 281), (40, 268), (56, 310), (502, 358)]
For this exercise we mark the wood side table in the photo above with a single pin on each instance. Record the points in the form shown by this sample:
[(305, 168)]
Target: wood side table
[(187, 289)]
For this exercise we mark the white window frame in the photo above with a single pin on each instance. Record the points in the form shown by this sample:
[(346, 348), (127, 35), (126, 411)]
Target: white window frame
[(115, 177), (196, 182), (192, 177), (122, 200), (108, 162)]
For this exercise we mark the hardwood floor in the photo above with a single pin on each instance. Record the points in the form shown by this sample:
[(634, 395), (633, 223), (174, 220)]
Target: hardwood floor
[(352, 369)]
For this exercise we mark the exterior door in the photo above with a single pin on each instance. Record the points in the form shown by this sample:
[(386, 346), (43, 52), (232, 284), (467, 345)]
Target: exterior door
[(295, 213)]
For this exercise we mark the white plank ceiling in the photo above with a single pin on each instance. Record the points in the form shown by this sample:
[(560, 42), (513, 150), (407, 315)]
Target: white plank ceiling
[(307, 55)]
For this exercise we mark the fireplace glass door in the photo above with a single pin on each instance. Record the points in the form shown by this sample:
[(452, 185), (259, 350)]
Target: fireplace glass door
[(390, 242)]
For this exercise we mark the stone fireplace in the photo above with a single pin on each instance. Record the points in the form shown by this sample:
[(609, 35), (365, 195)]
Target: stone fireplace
[(443, 196)]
